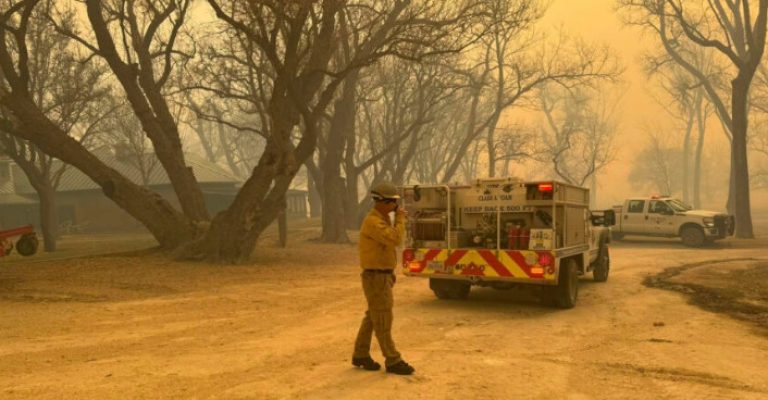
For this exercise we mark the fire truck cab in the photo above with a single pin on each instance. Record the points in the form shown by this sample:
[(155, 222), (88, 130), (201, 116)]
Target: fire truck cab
[(502, 233)]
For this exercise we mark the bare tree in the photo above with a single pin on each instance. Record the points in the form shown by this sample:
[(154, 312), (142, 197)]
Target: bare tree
[(579, 132), (403, 101), (688, 103), (737, 32), (657, 165), (429, 27), (297, 41), (759, 145), (142, 58), (169, 226), (569, 63), (68, 92)]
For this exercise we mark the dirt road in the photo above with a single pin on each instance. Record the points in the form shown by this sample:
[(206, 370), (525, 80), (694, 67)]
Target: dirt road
[(144, 327)]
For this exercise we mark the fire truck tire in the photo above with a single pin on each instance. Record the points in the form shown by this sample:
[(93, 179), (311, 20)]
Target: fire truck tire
[(27, 245), (602, 265), (692, 236), (449, 289), (565, 294)]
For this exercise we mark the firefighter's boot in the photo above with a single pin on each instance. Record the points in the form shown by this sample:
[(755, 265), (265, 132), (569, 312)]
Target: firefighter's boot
[(366, 363), (401, 368)]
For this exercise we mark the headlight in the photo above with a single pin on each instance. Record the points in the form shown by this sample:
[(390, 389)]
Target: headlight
[(709, 221)]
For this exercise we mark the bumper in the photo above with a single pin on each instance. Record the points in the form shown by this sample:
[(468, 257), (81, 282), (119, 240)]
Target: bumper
[(474, 265), (724, 226)]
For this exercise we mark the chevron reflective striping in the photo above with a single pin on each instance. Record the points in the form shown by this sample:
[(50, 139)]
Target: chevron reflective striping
[(494, 263), (484, 262), (455, 257)]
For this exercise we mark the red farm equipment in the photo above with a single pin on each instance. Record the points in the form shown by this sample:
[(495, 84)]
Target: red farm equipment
[(26, 245)]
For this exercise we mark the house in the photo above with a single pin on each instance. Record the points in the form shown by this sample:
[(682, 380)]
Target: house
[(83, 207), (15, 210)]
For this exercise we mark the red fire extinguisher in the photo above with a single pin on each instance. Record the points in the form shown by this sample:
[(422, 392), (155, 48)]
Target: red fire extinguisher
[(518, 237)]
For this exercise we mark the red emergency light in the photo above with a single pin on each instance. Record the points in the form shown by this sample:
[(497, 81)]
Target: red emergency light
[(546, 187)]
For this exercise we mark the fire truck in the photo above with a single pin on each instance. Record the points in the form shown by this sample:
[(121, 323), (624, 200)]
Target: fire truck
[(503, 233)]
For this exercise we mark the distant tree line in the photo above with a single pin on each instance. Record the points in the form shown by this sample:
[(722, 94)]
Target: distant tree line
[(351, 91)]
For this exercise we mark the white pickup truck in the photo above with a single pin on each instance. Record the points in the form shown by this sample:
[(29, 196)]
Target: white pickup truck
[(670, 217)]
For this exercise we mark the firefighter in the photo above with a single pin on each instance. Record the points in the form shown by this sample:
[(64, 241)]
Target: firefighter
[(378, 240)]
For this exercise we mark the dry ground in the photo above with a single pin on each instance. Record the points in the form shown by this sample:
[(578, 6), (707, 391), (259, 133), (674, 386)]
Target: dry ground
[(141, 326)]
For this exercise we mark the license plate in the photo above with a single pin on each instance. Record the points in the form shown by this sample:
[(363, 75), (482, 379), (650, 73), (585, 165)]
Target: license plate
[(437, 266)]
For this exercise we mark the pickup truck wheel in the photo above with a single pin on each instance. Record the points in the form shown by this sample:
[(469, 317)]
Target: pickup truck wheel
[(602, 265), (692, 236), (449, 289), (566, 292)]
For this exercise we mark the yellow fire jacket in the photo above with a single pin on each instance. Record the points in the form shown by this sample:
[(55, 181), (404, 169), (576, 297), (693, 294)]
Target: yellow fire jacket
[(378, 240)]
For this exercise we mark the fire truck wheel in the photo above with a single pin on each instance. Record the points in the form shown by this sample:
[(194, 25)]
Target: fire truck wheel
[(27, 245), (692, 236), (449, 289), (566, 292), (602, 265)]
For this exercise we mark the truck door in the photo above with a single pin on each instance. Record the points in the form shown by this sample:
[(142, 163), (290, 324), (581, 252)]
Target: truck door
[(633, 220), (660, 218)]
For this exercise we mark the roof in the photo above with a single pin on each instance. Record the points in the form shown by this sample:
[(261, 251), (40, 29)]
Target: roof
[(11, 198), (74, 180)]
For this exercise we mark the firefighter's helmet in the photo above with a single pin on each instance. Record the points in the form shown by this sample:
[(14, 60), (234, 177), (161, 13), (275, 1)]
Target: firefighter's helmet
[(384, 190)]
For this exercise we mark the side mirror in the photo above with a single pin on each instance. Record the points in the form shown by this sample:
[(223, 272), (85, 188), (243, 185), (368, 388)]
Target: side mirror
[(604, 218), (609, 218)]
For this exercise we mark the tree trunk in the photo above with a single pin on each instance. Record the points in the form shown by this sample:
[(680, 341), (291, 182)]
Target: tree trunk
[(49, 217), (743, 212), (352, 198), (334, 189), (334, 216), (730, 203), (467, 141), (686, 155), (206, 141), (233, 233), (491, 143), (315, 199), (701, 125), (225, 147)]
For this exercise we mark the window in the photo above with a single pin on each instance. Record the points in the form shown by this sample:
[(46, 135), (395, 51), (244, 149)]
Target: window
[(658, 207), (636, 206)]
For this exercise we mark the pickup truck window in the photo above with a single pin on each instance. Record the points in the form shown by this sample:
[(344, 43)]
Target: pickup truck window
[(636, 206), (658, 207), (678, 205)]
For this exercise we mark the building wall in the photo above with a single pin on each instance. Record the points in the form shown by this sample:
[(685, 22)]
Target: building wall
[(91, 211), (16, 215)]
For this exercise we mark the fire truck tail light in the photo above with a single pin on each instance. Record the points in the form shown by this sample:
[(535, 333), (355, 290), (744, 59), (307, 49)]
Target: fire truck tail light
[(414, 266), (545, 259), (546, 187), (408, 255)]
